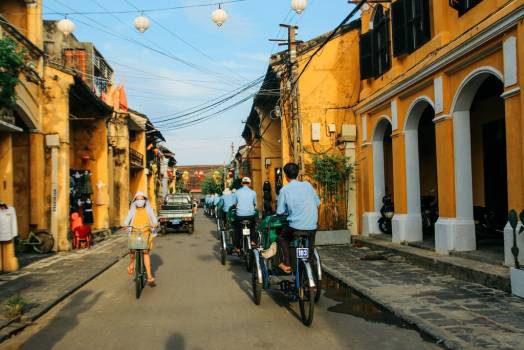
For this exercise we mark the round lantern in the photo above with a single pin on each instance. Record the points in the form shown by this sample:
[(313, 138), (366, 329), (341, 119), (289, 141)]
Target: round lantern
[(66, 26), (142, 23), (219, 16), (298, 5)]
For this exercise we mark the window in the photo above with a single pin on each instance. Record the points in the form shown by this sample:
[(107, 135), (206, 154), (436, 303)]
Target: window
[(77, 60), (411, 25), (463, 6), (374, 47)]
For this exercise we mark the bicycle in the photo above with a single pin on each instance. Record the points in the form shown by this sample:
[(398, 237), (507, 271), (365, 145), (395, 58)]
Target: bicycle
[(41, 241), (139, 241)]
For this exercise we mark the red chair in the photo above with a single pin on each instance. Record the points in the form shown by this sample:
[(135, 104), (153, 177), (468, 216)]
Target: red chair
[(81, 233)]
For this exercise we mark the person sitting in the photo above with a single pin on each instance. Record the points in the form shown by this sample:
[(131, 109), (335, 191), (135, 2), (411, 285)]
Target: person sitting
[(246, 203), (227, 200), (300, 202), (216, 200)]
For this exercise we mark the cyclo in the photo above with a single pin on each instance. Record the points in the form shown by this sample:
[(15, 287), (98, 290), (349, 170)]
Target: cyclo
[(303, 284), (227, 233)]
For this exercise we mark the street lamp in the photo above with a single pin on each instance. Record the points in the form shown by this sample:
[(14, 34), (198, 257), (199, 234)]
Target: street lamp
[(142, 23), (298, 5), (66, 26), (219, 16)]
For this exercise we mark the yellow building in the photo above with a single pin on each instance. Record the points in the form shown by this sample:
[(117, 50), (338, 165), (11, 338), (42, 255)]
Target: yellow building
[(439, 115), (425, 97)]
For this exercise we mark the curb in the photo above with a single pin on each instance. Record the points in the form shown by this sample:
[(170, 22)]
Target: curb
[(442, 337), (26, 320)]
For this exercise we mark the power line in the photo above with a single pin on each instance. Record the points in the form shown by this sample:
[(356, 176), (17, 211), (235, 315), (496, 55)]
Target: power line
[(74, 12)]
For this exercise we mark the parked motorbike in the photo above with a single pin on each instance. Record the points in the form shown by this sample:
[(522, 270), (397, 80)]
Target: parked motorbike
[(486, 223), (429, 212), (387, 211)]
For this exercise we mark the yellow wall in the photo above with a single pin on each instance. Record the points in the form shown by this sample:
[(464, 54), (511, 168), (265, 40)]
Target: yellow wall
[(6, 168)]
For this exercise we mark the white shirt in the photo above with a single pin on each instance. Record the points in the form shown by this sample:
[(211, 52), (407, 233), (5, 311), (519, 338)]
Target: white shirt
[(8, 227)]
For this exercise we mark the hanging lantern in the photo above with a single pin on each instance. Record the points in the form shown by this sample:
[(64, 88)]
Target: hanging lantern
[(66, 26), (219, 16), (298, 5), (142, 23)]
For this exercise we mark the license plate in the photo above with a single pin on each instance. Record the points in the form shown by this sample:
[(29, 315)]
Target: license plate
[(302, 253), (175, 222), (246, 232)]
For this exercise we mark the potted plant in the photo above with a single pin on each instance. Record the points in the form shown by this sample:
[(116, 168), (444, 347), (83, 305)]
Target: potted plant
[(516, 273), (12, 61)]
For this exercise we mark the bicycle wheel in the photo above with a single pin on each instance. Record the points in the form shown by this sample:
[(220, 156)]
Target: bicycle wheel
[(257, 286), (248, 254), (139, 274), (223, 252), (46, 242), (306, 296)]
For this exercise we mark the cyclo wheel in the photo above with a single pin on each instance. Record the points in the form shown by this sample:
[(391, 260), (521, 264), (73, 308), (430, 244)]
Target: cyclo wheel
[(46, 242), (318, 291), (248, 253), (138, 273), (306, 296), (257, 286), (223, 252)]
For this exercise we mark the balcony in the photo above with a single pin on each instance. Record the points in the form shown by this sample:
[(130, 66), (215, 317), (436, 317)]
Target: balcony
[(136, 159)]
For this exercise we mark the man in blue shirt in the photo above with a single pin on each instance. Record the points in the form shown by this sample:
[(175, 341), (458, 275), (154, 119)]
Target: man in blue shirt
[(300, 202), (227, 200), (246, 203)]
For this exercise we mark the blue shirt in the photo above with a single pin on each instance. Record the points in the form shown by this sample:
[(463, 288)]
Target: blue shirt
[(215, 200), (246, 201), (227, 201), (300, 201)]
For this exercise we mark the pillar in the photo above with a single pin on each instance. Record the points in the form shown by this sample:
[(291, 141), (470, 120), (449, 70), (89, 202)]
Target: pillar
[(8, 261), (36, 169)]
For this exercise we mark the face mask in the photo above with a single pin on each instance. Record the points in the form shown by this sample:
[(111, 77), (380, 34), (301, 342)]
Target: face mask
[(140, 203)]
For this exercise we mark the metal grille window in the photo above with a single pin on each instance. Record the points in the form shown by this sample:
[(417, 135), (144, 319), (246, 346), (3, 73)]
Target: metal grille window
[(411, 25), (374, 47), (463, 6)]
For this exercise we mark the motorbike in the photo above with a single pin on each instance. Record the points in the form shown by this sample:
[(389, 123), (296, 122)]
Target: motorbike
[(303, 284), (429, 212), (387, 211)]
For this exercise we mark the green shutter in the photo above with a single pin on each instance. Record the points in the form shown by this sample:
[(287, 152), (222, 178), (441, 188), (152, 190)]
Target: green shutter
[(399, 28), (366, 55)]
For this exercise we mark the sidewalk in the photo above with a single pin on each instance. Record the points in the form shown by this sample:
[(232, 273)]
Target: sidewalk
[(462, 315), (46, 282)]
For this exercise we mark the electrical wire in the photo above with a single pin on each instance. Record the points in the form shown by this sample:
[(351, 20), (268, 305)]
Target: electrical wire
[(164, 9)]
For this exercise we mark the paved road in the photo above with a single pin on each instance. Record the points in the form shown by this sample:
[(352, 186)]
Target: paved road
[(199, 304)]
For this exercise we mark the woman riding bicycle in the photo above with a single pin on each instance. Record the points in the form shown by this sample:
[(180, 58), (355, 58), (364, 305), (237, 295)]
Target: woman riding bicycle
[(141, 215)]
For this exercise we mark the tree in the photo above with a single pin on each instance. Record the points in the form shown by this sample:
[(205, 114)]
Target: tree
[(333, 174), (12, 61), (210, 185)]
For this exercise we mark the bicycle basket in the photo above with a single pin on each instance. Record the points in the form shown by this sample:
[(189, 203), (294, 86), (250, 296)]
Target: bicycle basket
[(138, 239)]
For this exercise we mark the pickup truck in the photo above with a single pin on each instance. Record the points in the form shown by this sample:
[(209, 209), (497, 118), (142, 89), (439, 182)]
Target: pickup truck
[(176, 213)]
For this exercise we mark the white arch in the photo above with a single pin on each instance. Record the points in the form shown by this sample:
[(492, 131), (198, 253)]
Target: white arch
[(379, 185), (462, 138), (412, 157)]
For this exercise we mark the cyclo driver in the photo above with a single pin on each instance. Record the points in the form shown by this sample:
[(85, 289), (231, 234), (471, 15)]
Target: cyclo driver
[(227, 200), (246, 202), (300, 202)]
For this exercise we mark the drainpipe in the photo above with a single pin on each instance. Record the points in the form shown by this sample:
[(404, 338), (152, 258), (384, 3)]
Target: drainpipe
[(52, 142)]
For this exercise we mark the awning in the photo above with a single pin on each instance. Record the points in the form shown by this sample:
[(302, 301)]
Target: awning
[(5, 126), (137, 121)]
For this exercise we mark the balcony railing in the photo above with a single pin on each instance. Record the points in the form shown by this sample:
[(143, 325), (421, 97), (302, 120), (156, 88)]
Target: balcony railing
[(136, 159)]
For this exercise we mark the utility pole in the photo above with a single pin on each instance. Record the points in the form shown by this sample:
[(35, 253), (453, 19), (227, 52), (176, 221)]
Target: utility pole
[(294, 108)]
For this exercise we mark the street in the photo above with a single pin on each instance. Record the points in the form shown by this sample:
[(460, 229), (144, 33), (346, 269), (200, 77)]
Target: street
[(198, 304)]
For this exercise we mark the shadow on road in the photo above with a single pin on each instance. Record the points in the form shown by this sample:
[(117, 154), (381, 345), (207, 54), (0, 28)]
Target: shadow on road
[(65, 321), (176, 342), (156, 262)]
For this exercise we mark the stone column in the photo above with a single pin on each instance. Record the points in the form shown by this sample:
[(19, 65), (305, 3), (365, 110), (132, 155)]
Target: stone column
[(37, 184)]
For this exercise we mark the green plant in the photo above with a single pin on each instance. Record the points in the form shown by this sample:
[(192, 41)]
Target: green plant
[(14, 307), (12, 61), (513, 222), (210, 185), (333, 174)]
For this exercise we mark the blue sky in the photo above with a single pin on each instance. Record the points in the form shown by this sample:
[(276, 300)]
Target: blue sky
[(225, 58)]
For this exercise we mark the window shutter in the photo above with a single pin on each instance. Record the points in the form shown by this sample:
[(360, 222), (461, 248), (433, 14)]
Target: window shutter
[(399, 26), (381, 46), (366, 55), (422, 23)]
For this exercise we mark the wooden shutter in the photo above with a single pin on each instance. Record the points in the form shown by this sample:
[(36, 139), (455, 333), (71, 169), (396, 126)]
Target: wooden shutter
[(399, 27), (381, 41), (422, 27), (366, 55)]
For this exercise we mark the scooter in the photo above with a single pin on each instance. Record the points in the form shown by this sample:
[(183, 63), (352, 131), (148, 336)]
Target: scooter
[(387, 211)]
